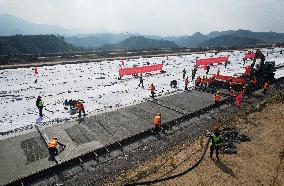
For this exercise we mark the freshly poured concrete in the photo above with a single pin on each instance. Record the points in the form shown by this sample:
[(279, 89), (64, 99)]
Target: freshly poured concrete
[(25, 154)]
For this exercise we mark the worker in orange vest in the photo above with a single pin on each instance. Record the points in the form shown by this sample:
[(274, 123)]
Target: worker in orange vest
[(80, 108), (232, 94), (52, 147), (231, 84), (198, 81), (217, 98), (265, 86), (152, 89), (254, 83), (157, 122), (186, 83)]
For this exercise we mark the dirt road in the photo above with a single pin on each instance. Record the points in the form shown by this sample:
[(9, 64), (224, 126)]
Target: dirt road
[(258, 162)]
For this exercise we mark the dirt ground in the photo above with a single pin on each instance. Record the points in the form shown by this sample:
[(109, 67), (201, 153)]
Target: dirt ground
[(257, 162)]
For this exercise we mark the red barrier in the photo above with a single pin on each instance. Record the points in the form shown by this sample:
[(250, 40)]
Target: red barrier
[(238, 80), (137, 70), (250, 56), (211, 60)]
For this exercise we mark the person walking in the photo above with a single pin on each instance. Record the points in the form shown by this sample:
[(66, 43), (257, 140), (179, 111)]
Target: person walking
[(39, 104), (152, 89), (186, 83), (141, 81), (183, 73)]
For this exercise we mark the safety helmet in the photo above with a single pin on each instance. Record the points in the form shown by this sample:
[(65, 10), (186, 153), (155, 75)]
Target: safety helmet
[(159, 114), (218, 92), (54, 138)]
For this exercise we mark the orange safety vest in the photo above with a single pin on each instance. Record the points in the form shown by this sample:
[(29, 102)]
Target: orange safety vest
[(232, 93), (80, 106), (52, 143), (217, 97), (254, 81), (265, 86), (198, 79), (157, 120)]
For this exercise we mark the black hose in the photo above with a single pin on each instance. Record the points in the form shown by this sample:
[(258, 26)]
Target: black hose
[(176, 175)]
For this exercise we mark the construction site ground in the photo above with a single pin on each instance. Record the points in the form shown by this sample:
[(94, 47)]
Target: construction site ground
[(257, 162)]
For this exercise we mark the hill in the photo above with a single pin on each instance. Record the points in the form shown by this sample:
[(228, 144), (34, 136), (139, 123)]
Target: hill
[(12, 25), (230, 40), (189, 41), (96, 40), (33, 44), (141, 42)]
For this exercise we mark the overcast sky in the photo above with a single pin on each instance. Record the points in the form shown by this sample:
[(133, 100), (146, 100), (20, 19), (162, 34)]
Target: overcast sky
[(161, 17)]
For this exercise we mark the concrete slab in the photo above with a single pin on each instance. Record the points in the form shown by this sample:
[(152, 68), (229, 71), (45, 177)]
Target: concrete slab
[(22, 155), (147, 111), (188, 102), (25, 154)]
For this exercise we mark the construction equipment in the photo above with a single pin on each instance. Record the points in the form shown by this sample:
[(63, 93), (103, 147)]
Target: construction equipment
[(263, 72)]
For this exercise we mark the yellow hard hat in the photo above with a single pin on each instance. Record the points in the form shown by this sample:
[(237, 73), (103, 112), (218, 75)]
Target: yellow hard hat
[(54, 137), (159, 114)]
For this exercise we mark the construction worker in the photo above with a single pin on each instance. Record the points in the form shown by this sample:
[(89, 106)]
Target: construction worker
[(239, 99), (198, 81), (152, 89), (141, 81), (254, 83), (183, 73), (217, 98), (215, 142), (211, 82), (231, 84), (39, 104), (203, 84), (52, 147), (80, 108), (265, 86), (157, 122), (232, 94), (207, 69), (186, 83), (244, 90), (193, 73), (218, 71)]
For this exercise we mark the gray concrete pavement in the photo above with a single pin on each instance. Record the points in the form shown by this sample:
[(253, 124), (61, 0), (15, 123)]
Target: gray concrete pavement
[(25, 154)]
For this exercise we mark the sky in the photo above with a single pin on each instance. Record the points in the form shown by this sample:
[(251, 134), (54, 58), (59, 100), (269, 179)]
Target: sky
[(157, 17)]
